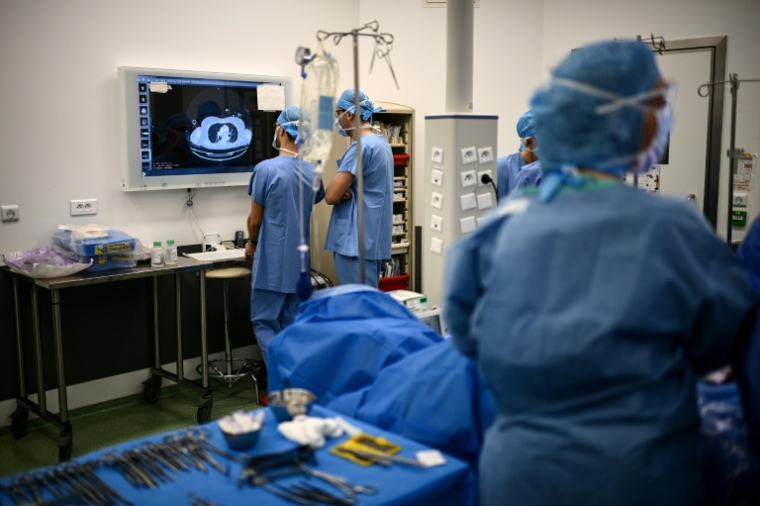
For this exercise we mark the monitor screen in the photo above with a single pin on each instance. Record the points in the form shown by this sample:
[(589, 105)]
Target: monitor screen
[(193, 129)]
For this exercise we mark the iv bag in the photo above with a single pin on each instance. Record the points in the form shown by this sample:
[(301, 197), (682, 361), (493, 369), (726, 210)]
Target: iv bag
[(315, 130)]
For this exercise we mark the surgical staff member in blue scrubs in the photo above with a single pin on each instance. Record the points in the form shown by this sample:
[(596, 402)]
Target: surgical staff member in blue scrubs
[(508, 167), (592, 307), (377, 160), (274, 231)]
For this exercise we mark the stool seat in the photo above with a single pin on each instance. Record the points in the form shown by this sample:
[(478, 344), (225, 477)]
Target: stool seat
[(228, 273), (232, 368)]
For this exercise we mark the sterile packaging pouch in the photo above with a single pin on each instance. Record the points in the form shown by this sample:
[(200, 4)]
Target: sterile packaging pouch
[(92, 240), (106, 262), (43, 262)]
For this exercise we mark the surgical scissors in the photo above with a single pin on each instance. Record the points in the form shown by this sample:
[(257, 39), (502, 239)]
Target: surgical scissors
[(197, 501), (342, 484)]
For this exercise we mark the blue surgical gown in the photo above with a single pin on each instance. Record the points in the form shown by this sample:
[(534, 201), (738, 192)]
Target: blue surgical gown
[(507, 169), (748, 372), (434, 396), (342, 236), (530, 175), (341, 339), (590, 317), (276, 185)]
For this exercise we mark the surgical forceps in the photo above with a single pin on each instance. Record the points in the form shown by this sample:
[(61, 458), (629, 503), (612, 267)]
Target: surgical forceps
[(346, 487)]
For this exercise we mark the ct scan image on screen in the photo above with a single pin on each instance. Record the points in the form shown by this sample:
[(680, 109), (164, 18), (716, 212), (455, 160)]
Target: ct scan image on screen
[(201, 126)]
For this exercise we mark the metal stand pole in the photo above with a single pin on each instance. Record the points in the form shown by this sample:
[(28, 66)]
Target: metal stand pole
[(19, 342), (733, 156), (359, 164)]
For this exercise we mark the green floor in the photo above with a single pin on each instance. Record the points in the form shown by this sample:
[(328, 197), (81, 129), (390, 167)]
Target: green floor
[(113, 422)]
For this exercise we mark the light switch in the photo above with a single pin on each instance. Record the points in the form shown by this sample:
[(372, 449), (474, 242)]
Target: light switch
[(436, 245), (468, 201), (468, 224), (485, 201)]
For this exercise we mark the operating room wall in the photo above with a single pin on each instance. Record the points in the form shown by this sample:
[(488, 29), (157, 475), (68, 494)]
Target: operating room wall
[(570, 24), (60, 139), (507, 65), (61, 136)]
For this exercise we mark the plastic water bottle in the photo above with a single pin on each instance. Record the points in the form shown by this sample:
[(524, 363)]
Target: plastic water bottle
[(157, 255), (170, 253)]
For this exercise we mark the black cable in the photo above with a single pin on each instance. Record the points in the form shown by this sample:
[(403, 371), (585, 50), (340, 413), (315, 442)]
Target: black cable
[(486, 179)]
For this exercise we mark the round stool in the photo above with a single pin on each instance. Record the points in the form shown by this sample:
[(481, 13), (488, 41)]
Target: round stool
[(232, 368)]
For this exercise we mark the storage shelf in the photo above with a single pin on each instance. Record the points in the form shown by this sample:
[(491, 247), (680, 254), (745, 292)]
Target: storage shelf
[(397, 145), (399, 234), (401, 245)]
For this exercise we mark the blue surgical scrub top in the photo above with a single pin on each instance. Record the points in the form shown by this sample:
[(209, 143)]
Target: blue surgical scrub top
[(342, 235), (591, 317), (530, 175), (507, 169), (274, 185)]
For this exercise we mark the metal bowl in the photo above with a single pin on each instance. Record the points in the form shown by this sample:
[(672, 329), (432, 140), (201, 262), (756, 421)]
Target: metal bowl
[(242, 441), (290, 402)]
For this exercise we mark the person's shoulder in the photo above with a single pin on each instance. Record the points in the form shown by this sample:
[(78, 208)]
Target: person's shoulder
[(504, 160), (264, 165), (670, 211)]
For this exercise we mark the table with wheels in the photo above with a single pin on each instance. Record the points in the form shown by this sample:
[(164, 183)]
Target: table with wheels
[(152, 387)]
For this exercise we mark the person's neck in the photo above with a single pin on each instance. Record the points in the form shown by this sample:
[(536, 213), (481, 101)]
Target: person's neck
[(599, 175), (528, 155), (366, 129), (288, 148)]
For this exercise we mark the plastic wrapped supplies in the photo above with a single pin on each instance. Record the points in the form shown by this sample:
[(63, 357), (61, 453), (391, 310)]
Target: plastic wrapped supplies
[(93, 240), (44, 262), (102, 247)]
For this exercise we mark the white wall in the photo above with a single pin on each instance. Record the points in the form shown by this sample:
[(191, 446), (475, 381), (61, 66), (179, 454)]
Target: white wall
[(60, 137), (570, 24), (507, 65)]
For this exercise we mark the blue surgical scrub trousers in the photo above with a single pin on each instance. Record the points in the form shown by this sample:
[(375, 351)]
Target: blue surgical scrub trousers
[(347, 269), (271, 312)]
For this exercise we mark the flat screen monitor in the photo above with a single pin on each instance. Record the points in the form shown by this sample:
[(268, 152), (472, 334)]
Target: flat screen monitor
[(188, 129)]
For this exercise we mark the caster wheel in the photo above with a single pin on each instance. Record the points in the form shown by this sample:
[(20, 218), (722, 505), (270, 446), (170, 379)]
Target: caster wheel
[(64, 453), (204, 414), (19, 423), (65, 443), (152, 392)]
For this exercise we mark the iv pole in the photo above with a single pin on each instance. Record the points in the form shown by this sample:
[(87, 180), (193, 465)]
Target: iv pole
[(733, 153), (381, 39)]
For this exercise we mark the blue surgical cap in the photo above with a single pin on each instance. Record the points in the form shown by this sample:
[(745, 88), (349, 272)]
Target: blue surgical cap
[(571, 131), (346, 102), (525, 127), (289, 115)]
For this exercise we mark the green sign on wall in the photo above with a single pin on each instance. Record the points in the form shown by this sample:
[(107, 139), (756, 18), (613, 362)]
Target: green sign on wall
[(739, 218)]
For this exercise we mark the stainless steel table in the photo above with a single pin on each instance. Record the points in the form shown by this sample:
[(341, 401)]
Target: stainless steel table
[(152, 387)]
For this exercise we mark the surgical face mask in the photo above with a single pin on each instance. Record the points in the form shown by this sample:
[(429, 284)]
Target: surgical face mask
[(651, 156), (342, 131), (524, 145), (275, 142)]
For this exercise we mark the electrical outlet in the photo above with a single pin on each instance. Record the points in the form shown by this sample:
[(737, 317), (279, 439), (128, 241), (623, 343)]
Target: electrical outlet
[(10, 213), (81, 207), (740, 199)]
